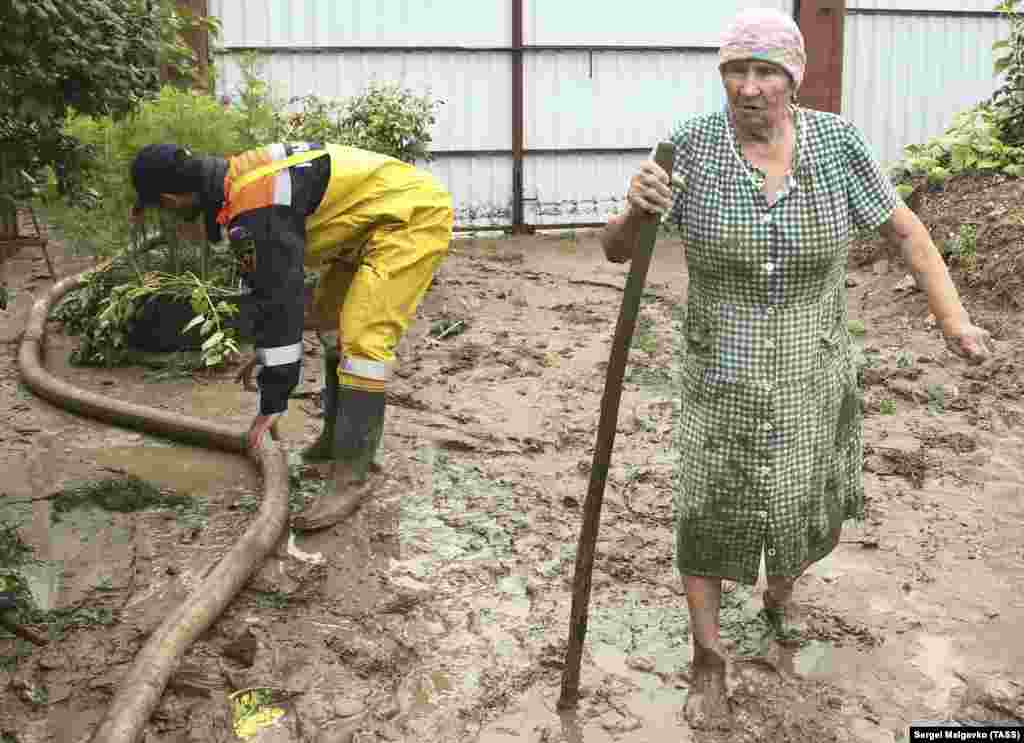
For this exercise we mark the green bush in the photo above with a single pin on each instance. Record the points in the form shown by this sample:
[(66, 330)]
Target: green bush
[(972, 144), (391, 120), (1009, 98), (384, 118), (191, 119)]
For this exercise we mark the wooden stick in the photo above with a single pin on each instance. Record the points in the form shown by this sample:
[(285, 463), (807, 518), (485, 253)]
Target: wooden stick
[(641, 261)]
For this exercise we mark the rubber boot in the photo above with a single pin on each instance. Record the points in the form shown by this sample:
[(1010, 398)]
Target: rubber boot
[(322, 449), (357, 435)]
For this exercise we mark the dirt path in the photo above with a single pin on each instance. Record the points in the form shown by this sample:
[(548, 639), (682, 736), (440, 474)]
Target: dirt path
[(439, 611)]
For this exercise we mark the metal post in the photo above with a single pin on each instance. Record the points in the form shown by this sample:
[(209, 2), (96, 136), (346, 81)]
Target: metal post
[(518, 118)]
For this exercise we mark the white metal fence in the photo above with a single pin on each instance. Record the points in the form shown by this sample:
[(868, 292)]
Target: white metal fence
[(598, 86)]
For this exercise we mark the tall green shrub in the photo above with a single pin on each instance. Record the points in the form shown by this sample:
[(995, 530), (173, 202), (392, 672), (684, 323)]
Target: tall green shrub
[(187, 118)]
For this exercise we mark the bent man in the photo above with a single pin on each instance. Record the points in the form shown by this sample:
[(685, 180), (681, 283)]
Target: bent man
[(376, 227)]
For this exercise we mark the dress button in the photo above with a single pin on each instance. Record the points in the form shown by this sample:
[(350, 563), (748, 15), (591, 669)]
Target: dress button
[(771, 552), (766, 426), (770, 311)]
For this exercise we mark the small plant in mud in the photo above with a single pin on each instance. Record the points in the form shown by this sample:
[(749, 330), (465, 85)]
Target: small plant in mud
[(271, 599), (856, 328), (448, 326), (39, 695), (644, 338), (905, 360), (301, 487), (250, 503), (963, 248), (59, 621), (936, 398), (887, 407)]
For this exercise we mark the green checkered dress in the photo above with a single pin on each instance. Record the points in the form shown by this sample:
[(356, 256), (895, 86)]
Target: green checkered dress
[(770, 431)]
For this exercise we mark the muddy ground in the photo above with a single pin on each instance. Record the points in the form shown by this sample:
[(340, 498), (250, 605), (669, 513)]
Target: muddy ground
[(439, 612)]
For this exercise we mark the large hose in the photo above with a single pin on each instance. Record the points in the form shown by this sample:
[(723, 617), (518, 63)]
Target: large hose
[(141, 690)]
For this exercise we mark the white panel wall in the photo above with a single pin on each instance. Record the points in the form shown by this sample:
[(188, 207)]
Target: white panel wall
[(950, 5), (576, 188), (905, 76), (336, 23), (481, 187), (652, 23), (615, 99), (474, 86)]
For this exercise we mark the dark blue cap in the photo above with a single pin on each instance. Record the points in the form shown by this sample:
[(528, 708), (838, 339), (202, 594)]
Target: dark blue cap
[(156, 170)]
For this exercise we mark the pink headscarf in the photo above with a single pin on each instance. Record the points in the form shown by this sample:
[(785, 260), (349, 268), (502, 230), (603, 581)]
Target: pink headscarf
[(768, 35)]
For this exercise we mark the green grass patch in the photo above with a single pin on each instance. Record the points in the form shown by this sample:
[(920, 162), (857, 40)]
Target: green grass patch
[(936, 398), (644, 338), (120, 494)]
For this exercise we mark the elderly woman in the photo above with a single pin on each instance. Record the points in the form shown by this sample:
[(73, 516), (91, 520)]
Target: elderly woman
[(767, 196)]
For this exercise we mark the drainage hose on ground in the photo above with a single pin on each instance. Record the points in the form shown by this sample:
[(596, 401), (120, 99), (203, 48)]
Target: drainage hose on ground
[(140, 691)]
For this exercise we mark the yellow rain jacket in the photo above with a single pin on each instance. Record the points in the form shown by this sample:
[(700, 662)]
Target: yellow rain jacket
[(376, 227)]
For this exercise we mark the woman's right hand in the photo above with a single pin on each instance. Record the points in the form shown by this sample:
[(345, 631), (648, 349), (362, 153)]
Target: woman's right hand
[(649, 190)]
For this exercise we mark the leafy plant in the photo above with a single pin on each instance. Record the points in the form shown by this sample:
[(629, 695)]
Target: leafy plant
[(964, 247), (1008, 100), (644, 338), (856, 327), (972, 144), (391, 120), (905, 360), (936, 398), (887, 407), (101, 313), (271, 600)]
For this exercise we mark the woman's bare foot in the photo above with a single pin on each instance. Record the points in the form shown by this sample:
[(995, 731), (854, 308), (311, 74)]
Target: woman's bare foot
[(787, 622), (707, 705)]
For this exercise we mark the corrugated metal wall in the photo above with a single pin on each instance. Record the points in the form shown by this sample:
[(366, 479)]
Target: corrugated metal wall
[(655, 23), (593, 109), (949, 6), (910, 65), (604, 100), (331, 23), (582, 92)]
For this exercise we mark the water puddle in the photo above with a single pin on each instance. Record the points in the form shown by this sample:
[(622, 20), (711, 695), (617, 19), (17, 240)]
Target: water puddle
[(183, 469)]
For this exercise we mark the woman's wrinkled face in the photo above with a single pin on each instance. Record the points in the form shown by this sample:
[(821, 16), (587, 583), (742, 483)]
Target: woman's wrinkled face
[(759, 93)]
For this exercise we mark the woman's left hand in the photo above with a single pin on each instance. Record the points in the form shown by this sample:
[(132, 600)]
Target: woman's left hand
[(969, 341)]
